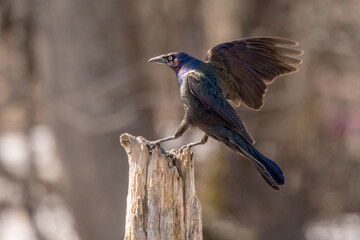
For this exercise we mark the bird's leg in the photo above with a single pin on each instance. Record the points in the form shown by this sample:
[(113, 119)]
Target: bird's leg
[(190, 145), (180, 131), (157, 142)]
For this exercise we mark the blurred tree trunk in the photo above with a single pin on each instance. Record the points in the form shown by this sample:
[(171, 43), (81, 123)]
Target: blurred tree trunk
[(18, 115), (281, 108), (88, 54)]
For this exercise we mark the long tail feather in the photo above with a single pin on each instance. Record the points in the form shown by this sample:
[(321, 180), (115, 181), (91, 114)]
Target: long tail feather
[(268, 169)]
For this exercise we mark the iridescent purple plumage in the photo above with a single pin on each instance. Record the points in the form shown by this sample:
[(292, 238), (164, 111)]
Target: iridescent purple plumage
[(238, 71)]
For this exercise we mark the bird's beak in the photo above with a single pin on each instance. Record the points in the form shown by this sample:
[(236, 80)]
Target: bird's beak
[(158, 59)]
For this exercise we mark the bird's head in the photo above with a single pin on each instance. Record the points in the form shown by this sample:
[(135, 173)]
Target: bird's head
[(174, 60)]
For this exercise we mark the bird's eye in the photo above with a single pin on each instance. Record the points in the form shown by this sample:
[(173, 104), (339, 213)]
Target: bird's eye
[(170, 58)]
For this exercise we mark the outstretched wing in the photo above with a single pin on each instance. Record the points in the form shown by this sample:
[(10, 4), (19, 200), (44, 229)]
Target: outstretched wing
[(210, 96), (246, 66)]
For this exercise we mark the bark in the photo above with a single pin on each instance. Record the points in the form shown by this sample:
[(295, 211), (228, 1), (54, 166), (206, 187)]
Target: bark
[(162, 201)]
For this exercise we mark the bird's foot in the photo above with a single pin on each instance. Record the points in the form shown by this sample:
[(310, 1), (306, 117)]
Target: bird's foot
[(188, 146), (152, 144)]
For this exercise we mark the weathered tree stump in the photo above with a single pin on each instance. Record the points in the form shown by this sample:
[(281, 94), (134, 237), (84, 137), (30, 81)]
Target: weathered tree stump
[(161, 201)]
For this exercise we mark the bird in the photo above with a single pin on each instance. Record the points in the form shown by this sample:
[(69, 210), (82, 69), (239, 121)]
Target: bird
[(232, 74)]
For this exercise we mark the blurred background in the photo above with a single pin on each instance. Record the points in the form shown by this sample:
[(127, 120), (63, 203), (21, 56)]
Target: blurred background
[(74, 76)]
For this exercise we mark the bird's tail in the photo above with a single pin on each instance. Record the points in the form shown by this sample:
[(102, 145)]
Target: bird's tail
[(268, 169)]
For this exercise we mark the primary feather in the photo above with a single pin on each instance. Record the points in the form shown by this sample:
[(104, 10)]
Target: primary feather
[(247, 65)]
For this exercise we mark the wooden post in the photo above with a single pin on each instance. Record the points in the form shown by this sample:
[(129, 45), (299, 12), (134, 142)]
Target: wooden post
[(161, 201)]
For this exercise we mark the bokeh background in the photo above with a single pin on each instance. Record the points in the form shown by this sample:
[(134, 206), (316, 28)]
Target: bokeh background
[(74, 76)]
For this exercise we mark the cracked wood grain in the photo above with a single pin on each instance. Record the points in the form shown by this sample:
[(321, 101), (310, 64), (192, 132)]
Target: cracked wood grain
[(162, 201)]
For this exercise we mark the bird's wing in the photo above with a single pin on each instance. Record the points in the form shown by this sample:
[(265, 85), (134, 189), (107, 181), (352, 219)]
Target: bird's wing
[(247, 65), (208, 93)]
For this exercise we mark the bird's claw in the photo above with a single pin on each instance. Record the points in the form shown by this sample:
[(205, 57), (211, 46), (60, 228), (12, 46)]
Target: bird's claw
[(185, 146), (152, 144)]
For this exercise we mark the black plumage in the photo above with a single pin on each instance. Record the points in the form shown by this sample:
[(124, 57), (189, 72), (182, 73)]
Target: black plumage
[(238, 71)]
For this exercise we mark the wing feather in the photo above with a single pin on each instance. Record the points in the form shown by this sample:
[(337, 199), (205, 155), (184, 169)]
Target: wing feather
[(248, 65)]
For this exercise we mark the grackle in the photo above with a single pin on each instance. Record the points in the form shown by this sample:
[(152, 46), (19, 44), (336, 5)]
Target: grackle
[(237, 71)]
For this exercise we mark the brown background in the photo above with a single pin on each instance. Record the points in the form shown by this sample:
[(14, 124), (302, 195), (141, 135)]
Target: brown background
[(74, 76)]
